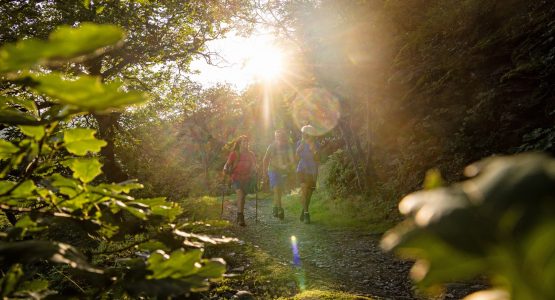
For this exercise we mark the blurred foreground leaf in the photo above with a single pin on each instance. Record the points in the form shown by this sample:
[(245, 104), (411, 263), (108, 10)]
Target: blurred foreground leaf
[(64, 43), (498, 223)]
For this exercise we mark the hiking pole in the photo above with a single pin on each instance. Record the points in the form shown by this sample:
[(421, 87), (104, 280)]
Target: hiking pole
[(223, 196), (256, 200)]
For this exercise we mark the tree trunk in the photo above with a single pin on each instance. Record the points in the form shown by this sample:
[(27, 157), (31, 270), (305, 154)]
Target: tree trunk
[(107, 124), (106, 129)]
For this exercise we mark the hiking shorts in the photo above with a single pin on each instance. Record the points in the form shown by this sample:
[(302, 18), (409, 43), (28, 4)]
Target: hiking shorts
[(277, 179), (247, 186), (307, 179)]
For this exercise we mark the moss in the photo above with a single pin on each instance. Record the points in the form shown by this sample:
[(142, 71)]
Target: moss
[(325, 295), (257, 271)]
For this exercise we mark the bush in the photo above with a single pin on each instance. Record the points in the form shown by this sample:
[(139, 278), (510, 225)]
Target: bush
[(337, 175), (60, 213)]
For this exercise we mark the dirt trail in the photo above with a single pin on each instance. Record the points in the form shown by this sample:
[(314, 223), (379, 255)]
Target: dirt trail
[(330, 258)]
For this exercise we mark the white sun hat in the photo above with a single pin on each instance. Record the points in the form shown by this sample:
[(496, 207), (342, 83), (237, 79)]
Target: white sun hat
[(308, 129)]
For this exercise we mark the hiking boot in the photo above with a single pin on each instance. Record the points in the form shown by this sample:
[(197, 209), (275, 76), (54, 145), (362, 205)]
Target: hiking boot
[(241, 219), (306, 217), (275, 212), (302, 216), (281, 214)]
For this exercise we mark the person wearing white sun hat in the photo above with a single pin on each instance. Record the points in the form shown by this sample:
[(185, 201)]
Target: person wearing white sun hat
[(307, 169)]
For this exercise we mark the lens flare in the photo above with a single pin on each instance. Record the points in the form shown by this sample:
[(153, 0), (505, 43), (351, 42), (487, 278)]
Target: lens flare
[(299, 272), (316, 107), (295, 249)]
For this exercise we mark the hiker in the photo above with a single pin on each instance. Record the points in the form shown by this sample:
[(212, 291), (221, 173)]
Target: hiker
[(279, 160), (307, 169), (241, 166)]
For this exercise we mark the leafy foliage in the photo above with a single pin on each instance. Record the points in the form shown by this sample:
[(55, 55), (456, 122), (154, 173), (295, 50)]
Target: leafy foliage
[(338, 175), (50, 188), (499, 223)]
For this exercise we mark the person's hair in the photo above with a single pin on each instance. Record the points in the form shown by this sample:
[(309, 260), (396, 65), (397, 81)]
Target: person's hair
[(238, 141)]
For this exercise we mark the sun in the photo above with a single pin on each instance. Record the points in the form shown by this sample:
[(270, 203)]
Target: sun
[(266, 63)]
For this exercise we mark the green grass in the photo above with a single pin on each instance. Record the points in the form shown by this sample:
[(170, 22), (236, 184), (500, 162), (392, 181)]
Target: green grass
[(354, 212), (325, 295), (202, 208), (371, 215), (209, 207)]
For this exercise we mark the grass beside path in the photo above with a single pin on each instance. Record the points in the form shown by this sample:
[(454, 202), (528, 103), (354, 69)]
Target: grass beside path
[(368, 215)]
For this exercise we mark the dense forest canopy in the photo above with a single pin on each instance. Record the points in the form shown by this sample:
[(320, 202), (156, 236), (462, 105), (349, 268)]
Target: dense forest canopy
[(105, 136)]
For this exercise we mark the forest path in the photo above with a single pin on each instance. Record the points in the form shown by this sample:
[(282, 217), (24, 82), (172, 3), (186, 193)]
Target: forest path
[(329, 258)]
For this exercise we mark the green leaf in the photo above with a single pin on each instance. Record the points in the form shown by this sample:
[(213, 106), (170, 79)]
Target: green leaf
[(439, 262), (61, 181), (159, 206), (65, 42), (26, 224), (36, 285), (67, 186), (84, 169), (11, 280), (6, 186), (7, 149), (36, 132), (30, 251), (119, 188), (137, 212), (179, 264), (99, 9), (24, 189), (14, 116), (153, 246), (86, 92), (27, 104), (80, 141), (213, 268), (76, 202), (433, 179)]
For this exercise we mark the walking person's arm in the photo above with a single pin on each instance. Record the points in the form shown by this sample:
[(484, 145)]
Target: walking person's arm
[(229, 164), (299, 150)]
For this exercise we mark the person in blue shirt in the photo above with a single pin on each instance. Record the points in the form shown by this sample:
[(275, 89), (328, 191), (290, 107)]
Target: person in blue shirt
[(307, 169), (279, 160)]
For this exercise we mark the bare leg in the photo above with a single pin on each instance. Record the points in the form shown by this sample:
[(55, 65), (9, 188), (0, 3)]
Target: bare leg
[(240, 201), (277, 196), (240, 207), (305, 196), (309, 191)]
